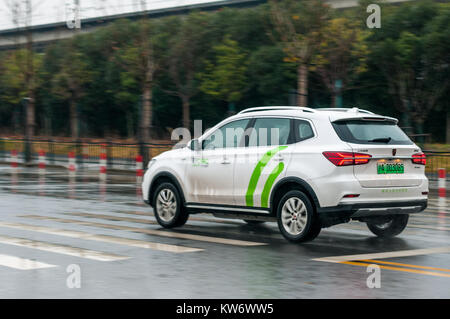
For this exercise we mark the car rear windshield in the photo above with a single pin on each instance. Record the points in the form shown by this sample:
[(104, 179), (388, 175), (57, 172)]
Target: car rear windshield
[(371, 132)]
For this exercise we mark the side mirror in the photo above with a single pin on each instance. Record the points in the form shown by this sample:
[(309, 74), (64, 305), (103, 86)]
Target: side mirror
[(194, 145)]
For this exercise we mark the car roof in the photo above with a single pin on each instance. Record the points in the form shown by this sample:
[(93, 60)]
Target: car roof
[(332, 114)]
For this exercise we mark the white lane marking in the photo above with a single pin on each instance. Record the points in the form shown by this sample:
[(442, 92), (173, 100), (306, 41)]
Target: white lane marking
[(61, 249), (438, 210), (150, 215), (433, 200), (444, 227), (434, 216), (437, 227), (391, 254), (217, 240), (115, 218), (22, 263), (102, 238), (358, 226)]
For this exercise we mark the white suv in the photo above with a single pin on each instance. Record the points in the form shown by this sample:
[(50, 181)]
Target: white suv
[(304, 168)]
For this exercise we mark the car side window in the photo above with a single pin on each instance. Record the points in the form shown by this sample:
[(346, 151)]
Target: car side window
[(228, 136), (270, 131), (303, 130)]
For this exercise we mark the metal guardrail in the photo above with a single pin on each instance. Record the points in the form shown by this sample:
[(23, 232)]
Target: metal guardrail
[(123, 155), (119, 155), (435, 161)]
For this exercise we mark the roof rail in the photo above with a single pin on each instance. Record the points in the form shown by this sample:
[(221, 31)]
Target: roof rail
[(342, 109), (271, 108)]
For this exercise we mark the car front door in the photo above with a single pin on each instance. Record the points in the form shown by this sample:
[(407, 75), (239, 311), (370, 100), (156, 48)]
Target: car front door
[(209, 173)]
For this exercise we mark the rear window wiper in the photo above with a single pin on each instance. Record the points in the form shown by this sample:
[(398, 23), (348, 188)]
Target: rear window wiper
[(381, 140)]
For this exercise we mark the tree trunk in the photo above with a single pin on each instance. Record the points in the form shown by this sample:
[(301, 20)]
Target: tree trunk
[(186, 113), (146, 116), (30, 112), (147, 94), (302, 85), (73, 119)]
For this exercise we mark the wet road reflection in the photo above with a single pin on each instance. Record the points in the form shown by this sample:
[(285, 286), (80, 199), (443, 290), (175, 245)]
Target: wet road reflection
[(58, 218)]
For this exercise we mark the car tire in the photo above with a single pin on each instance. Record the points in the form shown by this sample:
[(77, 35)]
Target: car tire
[(391, 228), (254, 222), (168, 208), (296, 218), (314, 231)]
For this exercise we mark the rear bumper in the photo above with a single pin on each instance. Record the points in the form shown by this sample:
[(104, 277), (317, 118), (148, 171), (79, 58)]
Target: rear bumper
[(344, 212), (331, 191)]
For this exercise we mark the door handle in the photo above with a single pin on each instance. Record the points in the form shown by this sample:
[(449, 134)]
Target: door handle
[(279, 158), (225, 161)]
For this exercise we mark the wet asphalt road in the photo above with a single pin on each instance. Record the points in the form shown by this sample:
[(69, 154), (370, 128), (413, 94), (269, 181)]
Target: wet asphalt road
[(50, 222)]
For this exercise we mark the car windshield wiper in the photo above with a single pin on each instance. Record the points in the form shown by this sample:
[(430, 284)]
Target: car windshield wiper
[(381, 140)]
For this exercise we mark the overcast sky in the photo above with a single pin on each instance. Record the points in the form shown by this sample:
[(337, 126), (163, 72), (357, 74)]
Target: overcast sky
[(50, 11)]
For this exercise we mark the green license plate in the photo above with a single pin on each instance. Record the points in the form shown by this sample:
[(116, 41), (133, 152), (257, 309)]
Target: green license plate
[(390, 168)]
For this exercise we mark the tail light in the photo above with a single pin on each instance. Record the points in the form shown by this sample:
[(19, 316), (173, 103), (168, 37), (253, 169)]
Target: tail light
[(419, 158), (347, 158)]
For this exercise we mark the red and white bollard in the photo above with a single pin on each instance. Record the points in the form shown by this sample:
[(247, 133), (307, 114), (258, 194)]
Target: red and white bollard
[(14, 160), (441, 185), (139, 166), (103, 163), (72, 164), (139, 174), (41, 162)]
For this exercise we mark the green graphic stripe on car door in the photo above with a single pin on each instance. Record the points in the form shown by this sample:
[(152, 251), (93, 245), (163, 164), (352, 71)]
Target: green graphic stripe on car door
[(269, 183), (257, 173)]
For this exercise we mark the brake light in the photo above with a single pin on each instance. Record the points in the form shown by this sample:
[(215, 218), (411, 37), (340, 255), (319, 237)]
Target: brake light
[(419, 158), (347, 158)]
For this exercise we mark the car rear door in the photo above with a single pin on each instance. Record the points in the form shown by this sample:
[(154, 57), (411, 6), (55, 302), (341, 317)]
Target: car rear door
[(263, 161)]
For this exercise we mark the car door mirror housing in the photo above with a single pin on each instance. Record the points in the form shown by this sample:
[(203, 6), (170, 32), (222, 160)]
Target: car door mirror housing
[(194, 145)]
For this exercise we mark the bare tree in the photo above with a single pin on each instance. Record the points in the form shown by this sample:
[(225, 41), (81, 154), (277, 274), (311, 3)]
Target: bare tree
[(341, 56), (21, 17), (70, 80), (139, 60), (184, 59), (298, 24)]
